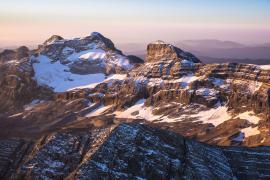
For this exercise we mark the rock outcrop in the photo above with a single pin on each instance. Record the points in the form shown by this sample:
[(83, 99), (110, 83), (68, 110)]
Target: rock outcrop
[(160, 50), (16, 54), (17, 86), (128, 151)]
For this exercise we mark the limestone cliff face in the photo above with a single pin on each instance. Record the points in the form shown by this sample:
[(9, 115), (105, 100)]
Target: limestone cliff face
[(249, 87), (161, 50)]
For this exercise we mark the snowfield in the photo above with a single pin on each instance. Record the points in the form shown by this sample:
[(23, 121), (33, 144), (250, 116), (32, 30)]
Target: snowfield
[(184, 81), (265, 67), (249, 116), (94, 53), (250, 131), (138, 110), (58, 77), (214, 116)]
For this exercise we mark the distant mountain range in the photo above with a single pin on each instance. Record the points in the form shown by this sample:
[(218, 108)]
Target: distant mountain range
[(209, 50), (214, 51)]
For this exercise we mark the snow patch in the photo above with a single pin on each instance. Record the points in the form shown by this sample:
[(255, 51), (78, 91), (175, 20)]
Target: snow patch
[(101, 109), (185, 81), (217, 82), (138, 111), (187, 63), (250, 131), (240, 137), (12, 62), (253, 86), (58, 77), (116, 77), (249, 116), (93, 54), (206, 92), (265, 67), (16, 115), (155, 82), (31, 105), (215, 116), (67, 50)]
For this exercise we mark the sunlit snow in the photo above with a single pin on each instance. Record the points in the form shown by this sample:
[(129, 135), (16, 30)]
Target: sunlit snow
[(250, 131), (249, 116), (265, 67), (138, 110), (91, 54), (215, 116), (58, 77), (98, 111)]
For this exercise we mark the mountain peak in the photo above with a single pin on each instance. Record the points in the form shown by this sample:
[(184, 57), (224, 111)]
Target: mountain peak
[(160, 50), (99, 37), (96, 34), (53, 39)]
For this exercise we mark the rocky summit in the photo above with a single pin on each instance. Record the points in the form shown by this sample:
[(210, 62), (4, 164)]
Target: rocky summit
[(160, 50), (81, 109)]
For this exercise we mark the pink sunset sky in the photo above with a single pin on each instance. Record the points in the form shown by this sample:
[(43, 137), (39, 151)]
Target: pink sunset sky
[(33, 21)]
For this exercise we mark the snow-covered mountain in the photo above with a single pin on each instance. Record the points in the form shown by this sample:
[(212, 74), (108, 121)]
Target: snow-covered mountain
[(78, 63)]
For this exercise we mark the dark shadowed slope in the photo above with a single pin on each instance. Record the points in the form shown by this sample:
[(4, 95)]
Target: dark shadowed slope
[(130, 151)]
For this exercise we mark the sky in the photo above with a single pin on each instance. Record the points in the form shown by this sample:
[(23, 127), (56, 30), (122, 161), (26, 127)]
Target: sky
[(30, 22)]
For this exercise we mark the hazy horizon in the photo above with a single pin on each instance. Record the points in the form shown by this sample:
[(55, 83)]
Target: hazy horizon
[(124, 21)]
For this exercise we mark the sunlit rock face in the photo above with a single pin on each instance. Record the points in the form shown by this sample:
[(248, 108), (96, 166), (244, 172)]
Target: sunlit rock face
[(160, 50)]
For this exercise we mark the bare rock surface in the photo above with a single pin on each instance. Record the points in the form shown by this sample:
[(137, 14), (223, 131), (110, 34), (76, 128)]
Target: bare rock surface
[(129, 151)]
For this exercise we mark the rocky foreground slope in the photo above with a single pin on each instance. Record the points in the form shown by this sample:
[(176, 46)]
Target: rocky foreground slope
[(61, 102), (129, 151)]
